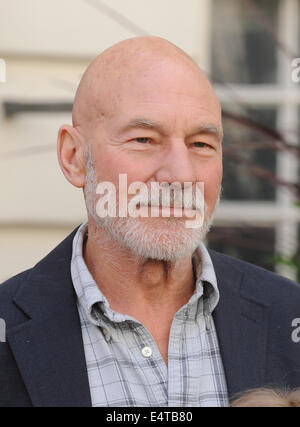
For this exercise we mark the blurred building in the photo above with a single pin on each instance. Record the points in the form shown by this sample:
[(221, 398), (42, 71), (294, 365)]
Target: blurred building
[(246, 48), (253, 43)]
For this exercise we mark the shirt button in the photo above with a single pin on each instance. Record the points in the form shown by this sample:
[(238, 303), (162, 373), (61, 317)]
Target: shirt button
[(147, 352), (106, 334)]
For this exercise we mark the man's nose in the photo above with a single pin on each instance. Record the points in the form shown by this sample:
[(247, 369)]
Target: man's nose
[(177, 165)]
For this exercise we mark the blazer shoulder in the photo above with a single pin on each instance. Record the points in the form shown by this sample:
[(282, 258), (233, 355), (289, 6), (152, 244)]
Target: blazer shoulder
[(58, 254), (9, 287), (258, 280), (8, 290), (52, 265)]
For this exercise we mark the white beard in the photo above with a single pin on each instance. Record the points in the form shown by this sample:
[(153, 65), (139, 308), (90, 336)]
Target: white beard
[(164, 239)]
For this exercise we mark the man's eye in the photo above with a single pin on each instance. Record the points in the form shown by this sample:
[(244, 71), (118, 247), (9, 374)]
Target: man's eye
[(200, 145), (143, 140)]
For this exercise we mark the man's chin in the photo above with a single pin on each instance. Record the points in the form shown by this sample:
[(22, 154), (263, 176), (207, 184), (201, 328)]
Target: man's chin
[(161, 222), (165, 239)]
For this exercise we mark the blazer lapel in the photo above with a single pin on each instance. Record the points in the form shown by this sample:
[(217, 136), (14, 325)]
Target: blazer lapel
[(48, 348), (241, 320)]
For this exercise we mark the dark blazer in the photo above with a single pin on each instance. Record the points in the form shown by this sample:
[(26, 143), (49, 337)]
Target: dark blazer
[(42, 362)]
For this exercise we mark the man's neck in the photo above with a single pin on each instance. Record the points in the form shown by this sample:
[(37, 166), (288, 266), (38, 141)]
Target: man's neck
[(134, 286)]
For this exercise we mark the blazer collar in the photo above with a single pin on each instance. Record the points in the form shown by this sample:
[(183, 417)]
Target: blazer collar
[(48, 348), (241, 320)]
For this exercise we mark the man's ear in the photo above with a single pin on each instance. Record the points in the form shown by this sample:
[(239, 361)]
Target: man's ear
[(70, 152)]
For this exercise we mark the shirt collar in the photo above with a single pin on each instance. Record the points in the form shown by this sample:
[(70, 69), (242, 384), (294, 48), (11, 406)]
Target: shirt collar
[(87, 291), (89, 294), (206, 276)]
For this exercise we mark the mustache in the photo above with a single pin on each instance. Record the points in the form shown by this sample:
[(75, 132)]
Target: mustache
[(171, 196)]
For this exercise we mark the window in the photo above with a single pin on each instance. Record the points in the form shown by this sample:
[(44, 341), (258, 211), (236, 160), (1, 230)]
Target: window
[(252, 45)]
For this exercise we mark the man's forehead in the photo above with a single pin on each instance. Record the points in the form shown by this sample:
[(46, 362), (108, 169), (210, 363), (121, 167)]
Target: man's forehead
[(121, 66)]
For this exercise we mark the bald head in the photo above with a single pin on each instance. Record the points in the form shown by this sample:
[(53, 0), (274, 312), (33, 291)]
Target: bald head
[(122, 64)]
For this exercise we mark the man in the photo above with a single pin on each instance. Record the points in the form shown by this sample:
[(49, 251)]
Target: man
[(135, 311)]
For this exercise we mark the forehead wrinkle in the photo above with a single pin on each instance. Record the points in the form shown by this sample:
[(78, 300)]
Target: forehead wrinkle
[(143, 123)]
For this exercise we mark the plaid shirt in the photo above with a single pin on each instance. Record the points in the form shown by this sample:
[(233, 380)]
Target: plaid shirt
[(124, 365)]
